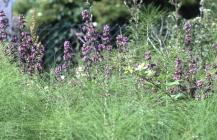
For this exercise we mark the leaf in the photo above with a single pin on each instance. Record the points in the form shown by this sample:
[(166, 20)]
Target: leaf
[(178, 96), (150, 73), (175, 83)]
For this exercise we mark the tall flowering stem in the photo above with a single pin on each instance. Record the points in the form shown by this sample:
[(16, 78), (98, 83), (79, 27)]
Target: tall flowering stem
[(122, 43), (21, 23), (188, 34), (67, 61), (68, 54), (94, 43), (3, 26), (31, 53), (178, 70), (11, 49)]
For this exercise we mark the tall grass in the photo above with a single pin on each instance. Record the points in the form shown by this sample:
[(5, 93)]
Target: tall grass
[(74, 110)]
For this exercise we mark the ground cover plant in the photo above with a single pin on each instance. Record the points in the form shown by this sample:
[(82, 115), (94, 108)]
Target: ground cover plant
[(154, 79)]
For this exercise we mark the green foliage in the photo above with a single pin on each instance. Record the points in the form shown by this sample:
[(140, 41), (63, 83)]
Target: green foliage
[(52, 10), (86, 110), (141, 20), (110, 11), (49, 11), (121, 107)]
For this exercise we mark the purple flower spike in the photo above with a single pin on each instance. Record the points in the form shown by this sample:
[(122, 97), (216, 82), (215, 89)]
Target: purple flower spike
[(177, 75), (122, 41), (100, 47), (192, 67), (14, 39), (188, 39), (187, 27), (179, 69), (4, 35), (22, 22), (58, 72), (199, 84), (68, 52), (109, 48), (188, 35), (31, 53), (3, 23), (3, 26), (2, 13), (178, 62), (106, 29), (86, 49), (96, 58), (86, 15), (106, 34), (23, 52), (67, 57)]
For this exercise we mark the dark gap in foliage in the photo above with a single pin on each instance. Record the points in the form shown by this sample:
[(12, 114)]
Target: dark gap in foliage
[(190, 11)]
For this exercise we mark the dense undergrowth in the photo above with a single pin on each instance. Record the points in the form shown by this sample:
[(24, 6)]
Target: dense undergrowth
[(33, 109), (138, 90)]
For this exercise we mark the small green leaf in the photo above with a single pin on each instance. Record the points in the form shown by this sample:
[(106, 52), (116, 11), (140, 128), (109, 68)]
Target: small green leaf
[(179, 96), (150, 73), (175, 83)]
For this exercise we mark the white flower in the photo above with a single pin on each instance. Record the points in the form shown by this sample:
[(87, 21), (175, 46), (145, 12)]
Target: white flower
[(62, 77), (95, 24), (141, 67)]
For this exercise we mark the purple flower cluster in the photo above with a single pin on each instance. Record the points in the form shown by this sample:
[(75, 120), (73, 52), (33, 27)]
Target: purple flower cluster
[(67, 60), (30, 53), (68, 52), (122, 42), (94, 43), (199, 84), (106, 37), (192, 67), (39, 56), (91, 34), (148, 57), (179, 69), (58, 72), (86, 16), (188, 35), (3, 26), (22, 23), (11, 49), (191, 84)]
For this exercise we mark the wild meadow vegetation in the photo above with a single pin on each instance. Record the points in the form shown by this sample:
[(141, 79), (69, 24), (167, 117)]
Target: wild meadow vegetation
[(153, 78)]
